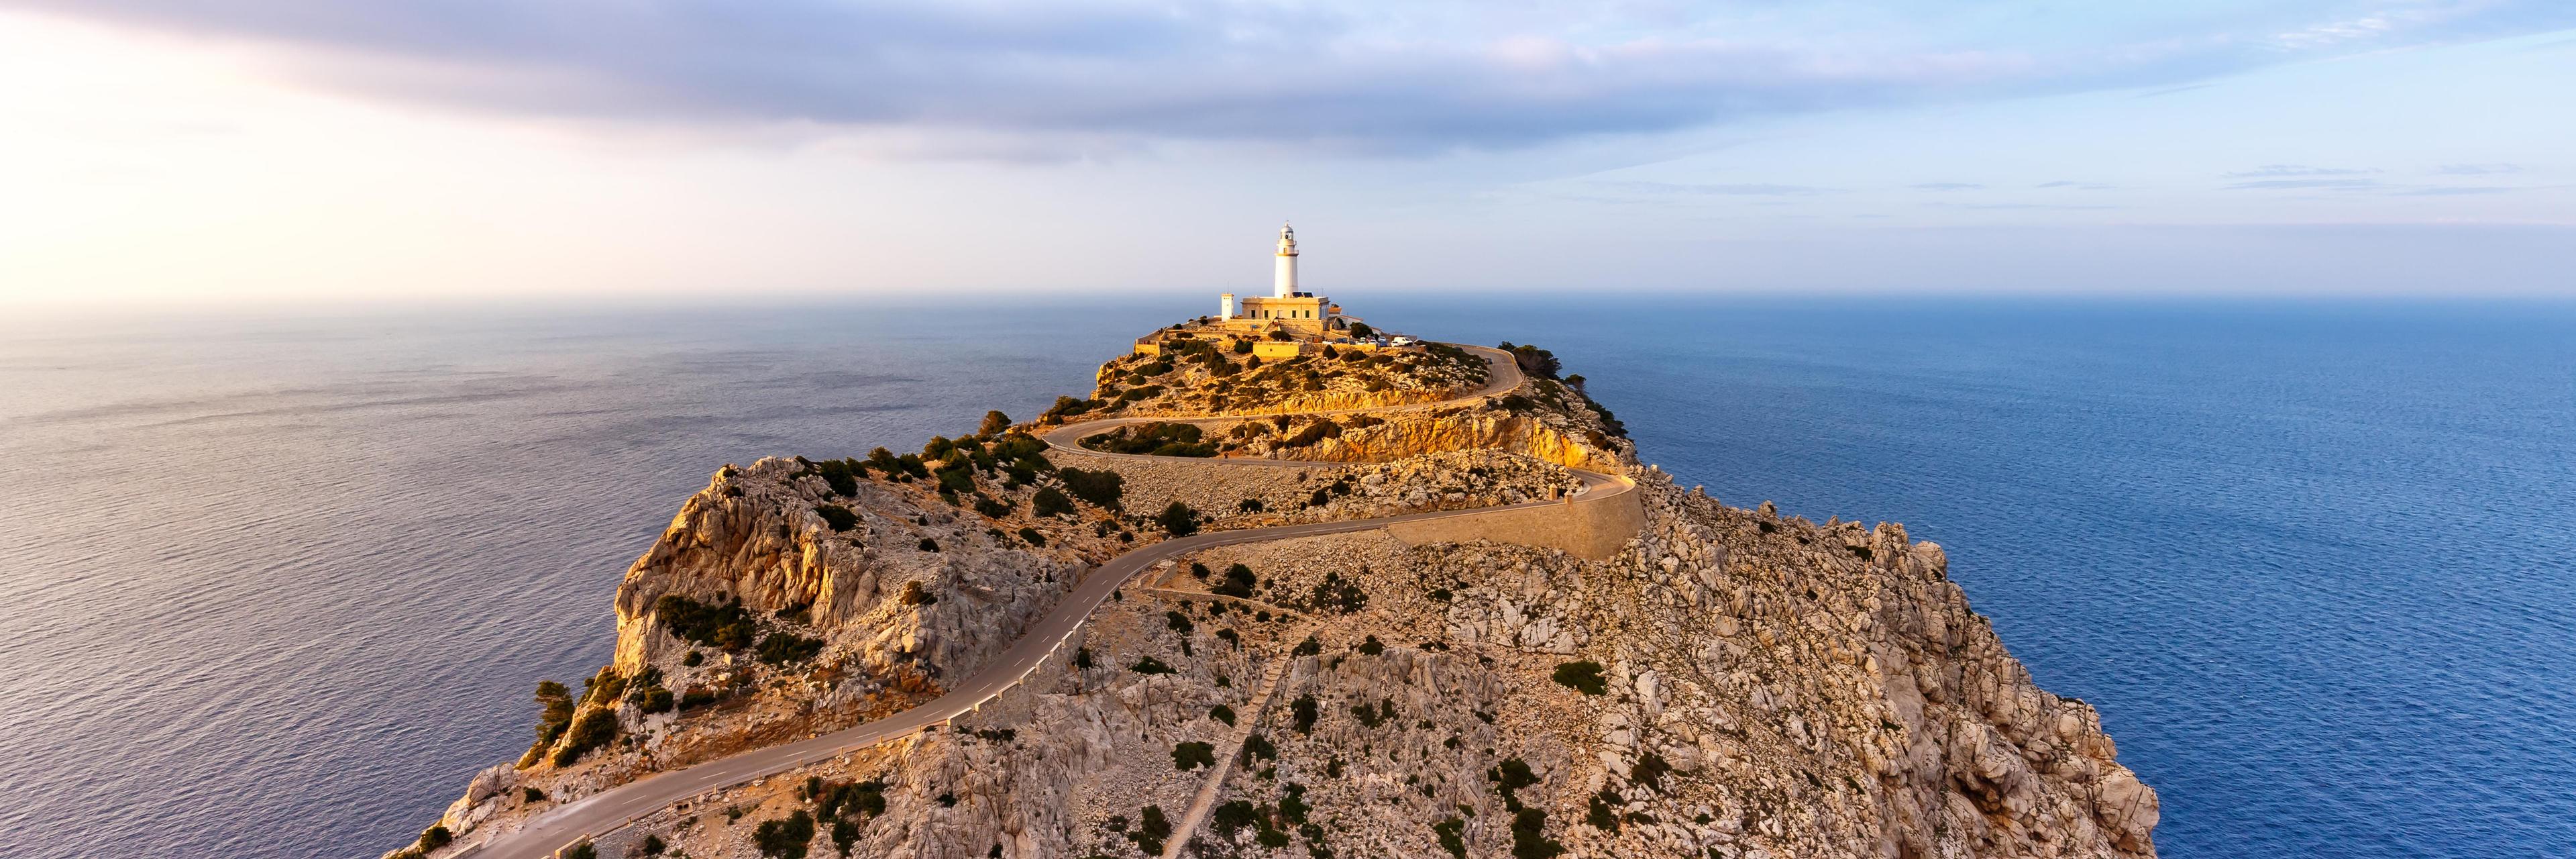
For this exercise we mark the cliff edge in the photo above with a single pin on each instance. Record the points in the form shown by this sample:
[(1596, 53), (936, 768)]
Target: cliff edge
[(1681, 679)]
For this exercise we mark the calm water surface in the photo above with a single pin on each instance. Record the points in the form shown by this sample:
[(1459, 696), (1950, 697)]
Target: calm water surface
[(274, 588)]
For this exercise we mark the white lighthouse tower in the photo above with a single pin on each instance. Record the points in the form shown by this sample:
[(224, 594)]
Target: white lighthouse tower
[(1284, 284)]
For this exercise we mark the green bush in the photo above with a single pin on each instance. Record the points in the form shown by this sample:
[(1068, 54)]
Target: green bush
[(957, 478), (1222, 713), (594, 729), (992, 508), (994, 423), (1159, 439), (1032, 536), (837, 516), (582, 850), (1151, 832), (1302, 713), (433, 838), (1189, 756), (531, 795), (843, 474), (1529, 836), (1238, 582), (1179, 520), (1372, 647), (1584, 677), (1453, 836), (927, 545), (1049, 502), (694, 659), (785, 838), (1150, 665), (657, 701), (1178, 622), (653, 846), (781, 648), (1101, 488), (726, 625), (1600, 814)]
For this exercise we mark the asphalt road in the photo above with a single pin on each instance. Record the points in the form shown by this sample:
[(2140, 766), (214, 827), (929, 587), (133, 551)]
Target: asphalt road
[(607, 811)]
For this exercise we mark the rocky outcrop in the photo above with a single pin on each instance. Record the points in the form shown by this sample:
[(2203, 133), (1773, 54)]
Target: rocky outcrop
[(1715, 682)]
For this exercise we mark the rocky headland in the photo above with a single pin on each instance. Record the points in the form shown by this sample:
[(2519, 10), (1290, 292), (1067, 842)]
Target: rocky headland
[(1676, 677)]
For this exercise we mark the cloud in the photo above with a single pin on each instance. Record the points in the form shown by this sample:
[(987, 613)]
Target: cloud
[(1028, 78), (2296, 170), (2451, 191), (1946, 186), (2478, 169), (2285, 184), (1725, 190), (2080, 186)]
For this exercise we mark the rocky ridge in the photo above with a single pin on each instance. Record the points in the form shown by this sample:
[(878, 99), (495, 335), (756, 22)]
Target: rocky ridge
[(1734, 683)]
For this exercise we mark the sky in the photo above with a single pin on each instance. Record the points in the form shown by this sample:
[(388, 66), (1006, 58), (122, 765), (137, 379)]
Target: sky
[(264, 152)]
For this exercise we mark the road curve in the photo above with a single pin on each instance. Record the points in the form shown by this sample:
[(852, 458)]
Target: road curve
[(605, 812)]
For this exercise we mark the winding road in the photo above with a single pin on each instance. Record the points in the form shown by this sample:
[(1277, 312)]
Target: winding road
[(600, 814)]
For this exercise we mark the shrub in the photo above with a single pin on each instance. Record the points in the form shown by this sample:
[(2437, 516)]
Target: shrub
[(1158, 438), (1150, 665), (1361, 329), (1584, 677), (1308, 647), (928, 545), (652, 846), (1238, 582), (1260, 748), (1650, 770), (1335, 592), (1032, 536), (1066, 407), (1102, 488), (594, 729), (1189, 756), (1601, 816), (582, 850), (1529, 836), (781, 648), (1248, 505), (1179, 520), (434, 837), (1533, 360), (694, 659), (1302, 714), (1453, 836), (1321, 429), (994, 423), (1222, 713), (1049, 502), (726, 625), (1151, 831), (657, 701), (837, 516), (532, 795), (1374, 716), (843, 474), (1177, 621), (785, 838), (1372, 647), (957, 478)]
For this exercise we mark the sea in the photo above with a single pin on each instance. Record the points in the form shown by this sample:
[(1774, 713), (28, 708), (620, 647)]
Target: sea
[(275, 585)]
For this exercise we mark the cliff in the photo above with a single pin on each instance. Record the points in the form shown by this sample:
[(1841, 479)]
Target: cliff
[(1713, 682)]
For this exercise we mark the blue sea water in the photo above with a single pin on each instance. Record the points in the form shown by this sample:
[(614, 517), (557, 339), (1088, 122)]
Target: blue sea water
[(273, 587)]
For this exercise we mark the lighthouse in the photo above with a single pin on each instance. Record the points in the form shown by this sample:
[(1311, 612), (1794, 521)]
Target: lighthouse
[(1286, 308), (1284, 282)]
